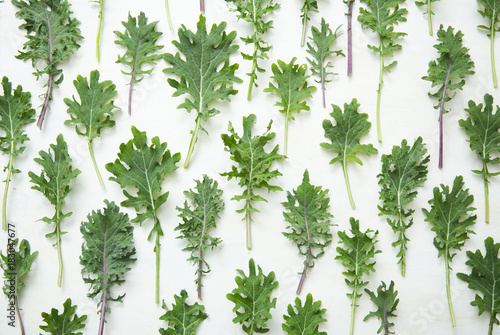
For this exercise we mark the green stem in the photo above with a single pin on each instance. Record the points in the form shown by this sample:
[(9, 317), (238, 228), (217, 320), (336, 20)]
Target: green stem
[(248, 222), (304, 29), (157, 252), (448, 293), (403, 241), (429, 16), (492, 322), (194, 139), (168, 16), (379, 91), (58, 246), (493, 66), (252, 73), (99, 28), (91, 151), (348, 185), (486, 195), (353, 311), (6, 190), (285, 147)]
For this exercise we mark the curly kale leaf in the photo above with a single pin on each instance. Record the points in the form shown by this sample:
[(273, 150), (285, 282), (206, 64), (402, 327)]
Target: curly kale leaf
[(309, 222), (52, 36), (387, 301), (485, 278), (451, 218), (292, 88), (144, 168), (483, 126), (491, 11), (204, 71), (254, 166), (54, 183), (320, 50), (350, 127), (448, 72), (304, 320), (93, 112), (252, 299), (403, 171), (107, 253), (15, 114), (182, 319), (140, 40), (428, 12), (356, 256), (254, 12), (66, 323), (197, 218)]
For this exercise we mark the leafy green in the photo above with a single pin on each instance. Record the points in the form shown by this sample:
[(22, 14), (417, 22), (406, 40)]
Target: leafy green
[(451, 218), (491, 11), (485, 278), (292, 88), (323, 40), (15, 266), (403, 171), (350, 6), (254, 165), (483, 128), (308, 6), (204, 71), (381, 16), (66, 323), (15, 114), (140, 40), (52, 36), (254, 12), (197, 218), (183, 319), (304, 320), (387, 302), (357, 257), (144, 168), (309, 222), (448, 72), (252, 299), (54, 183), (94, 112), (350, 127), (428, 11), (106, 254)]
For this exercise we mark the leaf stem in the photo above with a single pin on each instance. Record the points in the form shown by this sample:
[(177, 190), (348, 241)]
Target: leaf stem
[(379, 92), (157, 252), (353, 311), (486, 194), (202, 6), (16, 302), (194, 139), (50, 82), (130, 90), (349, 37), (348, 185), (429, 16), (441, 114), (285, 146), (248, 222), (448, 293), (6, 189), (59, 252), (99, 28), (103, 310), (304, 28), (254, 67), (168, 16), (492, 51), (91, 151)]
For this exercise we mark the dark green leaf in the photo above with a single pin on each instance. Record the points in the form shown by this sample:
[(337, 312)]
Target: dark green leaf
[(15, 265), (387, 302), (66, 323), (182, 319), (304, 320)]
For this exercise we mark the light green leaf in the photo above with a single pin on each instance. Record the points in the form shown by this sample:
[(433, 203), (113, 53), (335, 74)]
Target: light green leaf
[(304, 320), (66, 323), (182, 319)]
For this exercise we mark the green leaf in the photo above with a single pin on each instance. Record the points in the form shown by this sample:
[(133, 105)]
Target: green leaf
[(292, 88), (356, 256), (66, 323), (491, 11), (304, 320), (448, 72), (52, 36), (428, 11), (252, 299), (144, 168), (309, 222), (483, 126), (255, 12), (404, 170), (94, 111), (107, 253), (320, 50), (254, 166), (15, 114), (182, 319), (204, 71), (450, 216), (16, 264), (197, 218), (387, 302), (140, 40), (54, 183), (308, 6), (485, 278), (350, 127)]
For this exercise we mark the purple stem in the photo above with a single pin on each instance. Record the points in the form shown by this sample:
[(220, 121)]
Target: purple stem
[(50, 84), (103, 301), (349, 37), (200, 275), (441, 118), (202, 6), (308, 257), (21, 326)]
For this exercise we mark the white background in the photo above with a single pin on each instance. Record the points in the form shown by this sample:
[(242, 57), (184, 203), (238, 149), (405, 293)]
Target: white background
[(407, 112)]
